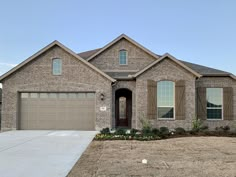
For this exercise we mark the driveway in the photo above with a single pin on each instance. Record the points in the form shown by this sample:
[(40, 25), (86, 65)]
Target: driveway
[(41, 153)]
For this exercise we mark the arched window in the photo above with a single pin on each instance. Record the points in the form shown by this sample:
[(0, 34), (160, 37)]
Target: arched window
[(165, 99), (123, 57), (56, 66)]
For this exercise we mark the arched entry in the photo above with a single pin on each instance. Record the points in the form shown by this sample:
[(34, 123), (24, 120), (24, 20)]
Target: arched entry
[(123, 108)]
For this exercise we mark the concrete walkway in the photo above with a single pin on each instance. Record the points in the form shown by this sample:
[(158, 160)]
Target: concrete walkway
[(41, 153)]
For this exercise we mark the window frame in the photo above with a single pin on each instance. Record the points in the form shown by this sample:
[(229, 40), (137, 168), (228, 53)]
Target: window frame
[(222, 107), (53, 73), (159, 118), (123, 50)]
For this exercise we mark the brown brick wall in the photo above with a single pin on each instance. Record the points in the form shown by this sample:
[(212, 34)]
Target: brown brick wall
[(166, 70), (109, 59), (219, 82), (37, 76)]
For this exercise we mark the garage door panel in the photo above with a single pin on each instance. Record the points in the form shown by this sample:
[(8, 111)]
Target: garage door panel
[(57, 111)]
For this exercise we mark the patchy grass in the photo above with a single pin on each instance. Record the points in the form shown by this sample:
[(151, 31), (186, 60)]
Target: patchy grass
[(175, 157)]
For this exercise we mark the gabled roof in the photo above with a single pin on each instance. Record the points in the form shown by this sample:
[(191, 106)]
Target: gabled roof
[(165, 56), (85, 55), (207, 71), (122, 36), (203, 69), (47, 48)]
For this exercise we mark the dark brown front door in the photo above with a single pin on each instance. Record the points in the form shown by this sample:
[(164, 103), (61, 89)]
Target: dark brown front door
[(123, 108)]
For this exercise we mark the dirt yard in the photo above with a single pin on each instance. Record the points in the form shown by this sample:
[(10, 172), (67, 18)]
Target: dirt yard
[(177, 157)]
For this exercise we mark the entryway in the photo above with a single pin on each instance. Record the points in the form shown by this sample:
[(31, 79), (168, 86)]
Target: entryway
[(123, 108)]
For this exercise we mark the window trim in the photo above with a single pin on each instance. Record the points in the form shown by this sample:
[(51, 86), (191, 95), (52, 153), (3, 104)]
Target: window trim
[(56, 58), (159, 118), (126, 57), (222, 107)]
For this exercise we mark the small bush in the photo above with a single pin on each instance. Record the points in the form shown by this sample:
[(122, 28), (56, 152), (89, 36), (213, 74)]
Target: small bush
[(204, 127), (105, 131), (164, 132), (223, 128), (180, 131), (155, 131), (146, 130), (133, 131), (197, 123), (226, 128), (120, 131)]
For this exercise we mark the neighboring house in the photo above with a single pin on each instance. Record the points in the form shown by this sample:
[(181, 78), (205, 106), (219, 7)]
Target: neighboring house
[(0, 105), (114, 86)]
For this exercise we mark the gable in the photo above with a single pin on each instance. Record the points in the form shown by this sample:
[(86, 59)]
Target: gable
[(108, 59), (37, 73), (50, 47), (166, 57)]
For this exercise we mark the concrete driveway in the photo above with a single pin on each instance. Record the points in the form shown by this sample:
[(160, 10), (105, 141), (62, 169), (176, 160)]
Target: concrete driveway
[(41, 153)]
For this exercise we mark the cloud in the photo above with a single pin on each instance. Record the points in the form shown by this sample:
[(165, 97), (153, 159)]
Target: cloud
[(8, 64)]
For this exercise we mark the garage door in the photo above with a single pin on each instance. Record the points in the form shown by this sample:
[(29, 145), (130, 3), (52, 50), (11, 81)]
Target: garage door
[(57, 111)]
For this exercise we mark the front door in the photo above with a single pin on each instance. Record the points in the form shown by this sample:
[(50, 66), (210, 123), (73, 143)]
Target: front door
[(123, 108), (123, 117)]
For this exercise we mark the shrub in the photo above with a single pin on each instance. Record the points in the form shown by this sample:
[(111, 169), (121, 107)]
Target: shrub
[(120, 131), (105, 131), (196, 124), (164, 132), (133, 131), (146, 130), (226, 128), (180, 131), (223, 128), (155, 131), (204, 127)]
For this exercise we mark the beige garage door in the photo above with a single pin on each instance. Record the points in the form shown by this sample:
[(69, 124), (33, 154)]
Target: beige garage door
[(57, 111)]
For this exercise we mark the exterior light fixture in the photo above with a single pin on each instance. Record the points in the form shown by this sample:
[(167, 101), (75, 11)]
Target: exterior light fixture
[(102, 96)]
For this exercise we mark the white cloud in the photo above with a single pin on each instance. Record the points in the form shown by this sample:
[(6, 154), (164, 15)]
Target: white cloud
[(8, 64)]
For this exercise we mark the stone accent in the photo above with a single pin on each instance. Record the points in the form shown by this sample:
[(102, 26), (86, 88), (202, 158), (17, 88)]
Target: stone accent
[(166, 70), (37, 76), (131, 85), (109, 59), (219, 82)]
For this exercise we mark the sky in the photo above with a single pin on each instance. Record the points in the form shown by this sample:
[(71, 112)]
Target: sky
[(198, 31)]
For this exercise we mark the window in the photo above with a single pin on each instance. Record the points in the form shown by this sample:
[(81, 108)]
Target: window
[(43, 95), (24, 95), (165, 99), (123, 57), (56, 66), (122, 107), (214, 98)]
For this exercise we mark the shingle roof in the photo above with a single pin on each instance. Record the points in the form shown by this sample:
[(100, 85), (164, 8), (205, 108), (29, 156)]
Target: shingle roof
[(202, 70), (85, 55)]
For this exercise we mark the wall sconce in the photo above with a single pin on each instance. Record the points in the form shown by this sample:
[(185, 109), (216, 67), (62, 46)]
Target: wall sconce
[(102, 96)]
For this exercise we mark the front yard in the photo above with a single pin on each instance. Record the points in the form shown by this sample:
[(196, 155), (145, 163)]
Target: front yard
[(177, 157)]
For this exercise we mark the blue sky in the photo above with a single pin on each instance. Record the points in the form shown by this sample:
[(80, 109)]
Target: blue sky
[(198, 31)]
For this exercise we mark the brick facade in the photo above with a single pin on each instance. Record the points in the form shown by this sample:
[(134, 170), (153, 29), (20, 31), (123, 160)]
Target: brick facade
[(78, 77), (219, 82), (109, 59), (166, 70), (37, 76)]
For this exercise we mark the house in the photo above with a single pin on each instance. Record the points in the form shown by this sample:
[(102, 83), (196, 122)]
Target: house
[(114, 86), (0, 105)]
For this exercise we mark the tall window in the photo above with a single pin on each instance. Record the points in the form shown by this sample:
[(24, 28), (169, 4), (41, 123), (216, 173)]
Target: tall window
[(123, 57), (165, 99), (56, 66), (214, 98)]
